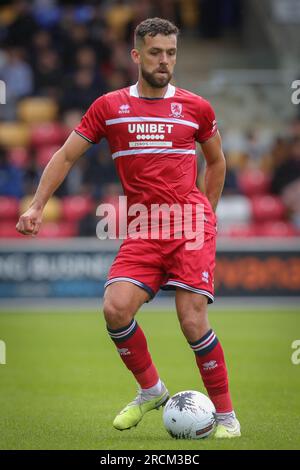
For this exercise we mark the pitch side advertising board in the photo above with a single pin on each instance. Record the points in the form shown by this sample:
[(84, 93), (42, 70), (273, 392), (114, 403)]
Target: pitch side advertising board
[(78, 268)]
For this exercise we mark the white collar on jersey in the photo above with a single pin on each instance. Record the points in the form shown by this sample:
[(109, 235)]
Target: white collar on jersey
[(169, 93)]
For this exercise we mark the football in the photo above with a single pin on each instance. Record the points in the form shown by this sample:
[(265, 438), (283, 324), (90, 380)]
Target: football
[(189, 415)]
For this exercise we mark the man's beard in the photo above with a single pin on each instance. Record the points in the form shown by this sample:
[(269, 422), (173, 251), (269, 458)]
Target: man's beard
[(155, 81)]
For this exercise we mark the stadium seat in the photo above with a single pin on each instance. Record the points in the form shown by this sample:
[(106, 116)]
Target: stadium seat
[(46, 134), (19, 157), (47, 230), (267, 208), (9, 208), (52, 211), (37, 109), (233, 210), (276, 229), (13, 134), (239, 231), (253, 182), (58, 230), (76, 207), (8, 230), (44, 155)]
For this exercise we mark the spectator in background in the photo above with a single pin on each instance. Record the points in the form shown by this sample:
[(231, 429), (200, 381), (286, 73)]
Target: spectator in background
[(18, 77), (288, 170), (279, 154), (48, 74), (118, 79), (82, 92), (231, 184), (286, 181), (71, 118), (141, 9), (87, 225), (218, 16), (294, 128), (11, 177), (120, 59), (41, 41), (100, 170), (101, 35), (256, 147), (46, 12), (118, 17), (291, 198), (31, 177), (23, 27), (86, 58), (17, 74), (73, 37)]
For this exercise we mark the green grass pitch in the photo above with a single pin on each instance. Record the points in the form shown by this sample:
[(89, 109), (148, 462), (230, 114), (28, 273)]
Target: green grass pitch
[(63, 381)]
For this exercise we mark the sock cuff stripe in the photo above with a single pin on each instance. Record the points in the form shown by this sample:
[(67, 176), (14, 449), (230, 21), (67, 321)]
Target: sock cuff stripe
[(204, 341), (201, 348), (122, 332), (119, 330), (203, 338), (208, 348)]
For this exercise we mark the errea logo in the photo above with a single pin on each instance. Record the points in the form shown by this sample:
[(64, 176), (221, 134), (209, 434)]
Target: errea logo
[(124, 109), (210, 365), (124, 351)]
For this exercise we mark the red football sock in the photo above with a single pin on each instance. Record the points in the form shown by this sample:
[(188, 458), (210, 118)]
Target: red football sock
[(132, 347), (211, 363)]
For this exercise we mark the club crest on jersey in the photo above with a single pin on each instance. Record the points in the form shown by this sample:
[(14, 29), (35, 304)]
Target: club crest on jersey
[(176, 110), (124, 109)]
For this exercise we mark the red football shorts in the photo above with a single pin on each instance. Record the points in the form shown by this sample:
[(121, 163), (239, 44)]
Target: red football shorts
[(166, 264)]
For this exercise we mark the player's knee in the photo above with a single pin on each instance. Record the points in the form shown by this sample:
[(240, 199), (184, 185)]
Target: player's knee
[(188, 325), (194, 325), (116, 314)]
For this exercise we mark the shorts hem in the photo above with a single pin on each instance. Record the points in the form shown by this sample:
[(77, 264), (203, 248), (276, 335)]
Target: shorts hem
[(171, 285), (133, 281)]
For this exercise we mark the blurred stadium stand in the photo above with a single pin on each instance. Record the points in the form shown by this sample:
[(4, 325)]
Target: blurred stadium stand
[(57, 57)]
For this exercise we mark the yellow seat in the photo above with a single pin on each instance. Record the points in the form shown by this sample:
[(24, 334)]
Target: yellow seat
[(52, 211), (37, 109), (14, 134)]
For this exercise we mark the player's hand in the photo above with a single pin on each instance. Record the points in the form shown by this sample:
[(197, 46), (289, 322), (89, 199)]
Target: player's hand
[(29, 223)]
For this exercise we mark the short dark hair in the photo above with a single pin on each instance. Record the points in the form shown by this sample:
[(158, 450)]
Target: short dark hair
[(154, 26)]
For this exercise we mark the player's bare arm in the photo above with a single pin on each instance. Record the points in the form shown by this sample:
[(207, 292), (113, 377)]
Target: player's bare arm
[(52, 177), (215, 169)]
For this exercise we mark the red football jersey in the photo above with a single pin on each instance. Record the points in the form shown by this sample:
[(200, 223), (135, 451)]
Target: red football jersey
[(153, 144)]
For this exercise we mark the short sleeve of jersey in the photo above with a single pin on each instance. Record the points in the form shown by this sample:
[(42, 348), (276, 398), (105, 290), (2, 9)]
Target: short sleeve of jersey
[(207, 122), (92, 124)]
